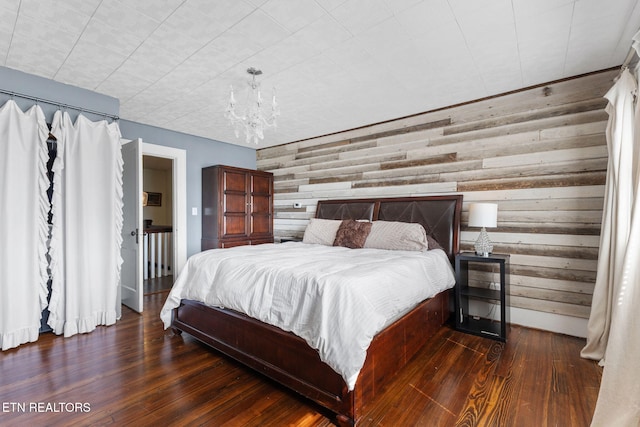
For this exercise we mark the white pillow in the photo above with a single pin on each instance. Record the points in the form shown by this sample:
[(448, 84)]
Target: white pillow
[(321, 231), (403, 236)]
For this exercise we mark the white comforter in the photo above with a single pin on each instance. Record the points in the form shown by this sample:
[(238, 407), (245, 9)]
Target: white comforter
[(336, 299)]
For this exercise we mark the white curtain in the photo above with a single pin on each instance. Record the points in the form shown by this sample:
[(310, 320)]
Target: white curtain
[(23, 223), (613, 335), (87, 222)]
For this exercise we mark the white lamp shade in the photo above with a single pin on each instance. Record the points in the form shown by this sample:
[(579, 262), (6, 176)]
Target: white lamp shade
[(483, 215)]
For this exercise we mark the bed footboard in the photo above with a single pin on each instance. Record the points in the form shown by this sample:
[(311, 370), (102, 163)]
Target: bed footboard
[(287, 359)]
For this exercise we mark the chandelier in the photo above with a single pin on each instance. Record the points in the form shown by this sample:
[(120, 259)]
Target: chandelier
[(252, 120)]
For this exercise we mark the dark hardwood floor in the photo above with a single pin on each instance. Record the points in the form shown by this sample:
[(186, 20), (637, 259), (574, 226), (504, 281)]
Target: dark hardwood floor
[(157, 284), (135, 373)]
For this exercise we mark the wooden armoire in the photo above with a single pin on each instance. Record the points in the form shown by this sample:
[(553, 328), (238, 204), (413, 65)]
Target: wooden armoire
[(237, 207)]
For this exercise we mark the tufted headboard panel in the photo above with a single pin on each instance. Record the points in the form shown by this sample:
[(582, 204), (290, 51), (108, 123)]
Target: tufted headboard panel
[(345, 209), (439, 215)]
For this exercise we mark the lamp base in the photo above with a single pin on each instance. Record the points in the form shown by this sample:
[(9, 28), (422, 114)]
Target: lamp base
[(483, 245), (483, 254)]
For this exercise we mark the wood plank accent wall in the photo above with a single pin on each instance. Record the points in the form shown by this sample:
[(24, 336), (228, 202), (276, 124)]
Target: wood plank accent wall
[(539, 153)]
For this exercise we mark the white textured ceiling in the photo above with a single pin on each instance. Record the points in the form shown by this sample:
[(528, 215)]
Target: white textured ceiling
[(336, 64)]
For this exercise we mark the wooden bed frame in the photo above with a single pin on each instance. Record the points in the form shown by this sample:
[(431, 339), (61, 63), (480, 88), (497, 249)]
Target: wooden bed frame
[(287, 359)]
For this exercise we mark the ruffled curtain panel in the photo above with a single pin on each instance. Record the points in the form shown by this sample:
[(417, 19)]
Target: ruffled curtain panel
[(24, 207), (84, 257), (87, 224)]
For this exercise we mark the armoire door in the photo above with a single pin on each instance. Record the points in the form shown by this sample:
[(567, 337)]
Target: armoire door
[(235, 207), (261, 205)]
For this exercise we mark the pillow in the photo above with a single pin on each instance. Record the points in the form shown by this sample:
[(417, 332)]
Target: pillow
[(321, 231), (352, 234), (401, 236), (433, 243)]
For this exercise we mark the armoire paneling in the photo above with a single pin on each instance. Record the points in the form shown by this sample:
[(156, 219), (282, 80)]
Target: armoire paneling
[(237, 207), (539, 153)]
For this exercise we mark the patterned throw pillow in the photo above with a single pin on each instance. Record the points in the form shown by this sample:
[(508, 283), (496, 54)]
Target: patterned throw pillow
[(352, 234)]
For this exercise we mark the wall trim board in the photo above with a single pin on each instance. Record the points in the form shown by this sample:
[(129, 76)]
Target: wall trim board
[(568, 325)]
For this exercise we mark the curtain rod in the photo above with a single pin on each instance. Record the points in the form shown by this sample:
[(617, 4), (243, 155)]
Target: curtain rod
[(59, 104), (627, 60)]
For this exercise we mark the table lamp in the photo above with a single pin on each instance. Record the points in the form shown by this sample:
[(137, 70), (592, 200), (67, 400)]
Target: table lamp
[(483, 215)]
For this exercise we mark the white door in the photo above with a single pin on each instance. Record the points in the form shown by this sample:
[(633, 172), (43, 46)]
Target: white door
[(132, 234)]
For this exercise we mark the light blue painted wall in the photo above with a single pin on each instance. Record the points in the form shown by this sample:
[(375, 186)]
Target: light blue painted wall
[(200, 151), (46, 89)]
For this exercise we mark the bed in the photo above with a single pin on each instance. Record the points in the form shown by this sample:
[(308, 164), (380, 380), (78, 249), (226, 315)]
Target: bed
[(288, 359)]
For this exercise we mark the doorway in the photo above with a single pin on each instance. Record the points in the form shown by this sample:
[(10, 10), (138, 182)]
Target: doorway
[(157, 219), (164, 216)]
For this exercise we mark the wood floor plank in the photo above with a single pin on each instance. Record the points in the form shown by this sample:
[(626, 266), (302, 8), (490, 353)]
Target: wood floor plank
[(572, 375), (136, 373), (482, 398)]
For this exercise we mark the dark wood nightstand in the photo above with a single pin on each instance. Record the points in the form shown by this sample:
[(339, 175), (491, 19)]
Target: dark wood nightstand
[(480, 295)]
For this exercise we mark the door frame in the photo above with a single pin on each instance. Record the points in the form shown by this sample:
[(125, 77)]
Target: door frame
[(178, 157)]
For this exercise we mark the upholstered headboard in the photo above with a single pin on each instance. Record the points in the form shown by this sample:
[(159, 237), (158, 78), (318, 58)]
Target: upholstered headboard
[(439, 215)]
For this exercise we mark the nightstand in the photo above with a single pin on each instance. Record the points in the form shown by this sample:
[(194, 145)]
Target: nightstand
[(290, 239), (474, 298)]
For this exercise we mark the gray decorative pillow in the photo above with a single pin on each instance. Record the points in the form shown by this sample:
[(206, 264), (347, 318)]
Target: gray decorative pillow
[(352, 234), (321, 231)]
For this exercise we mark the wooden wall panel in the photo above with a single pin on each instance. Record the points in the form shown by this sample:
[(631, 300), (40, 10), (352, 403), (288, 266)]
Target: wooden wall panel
[(539, 153)]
